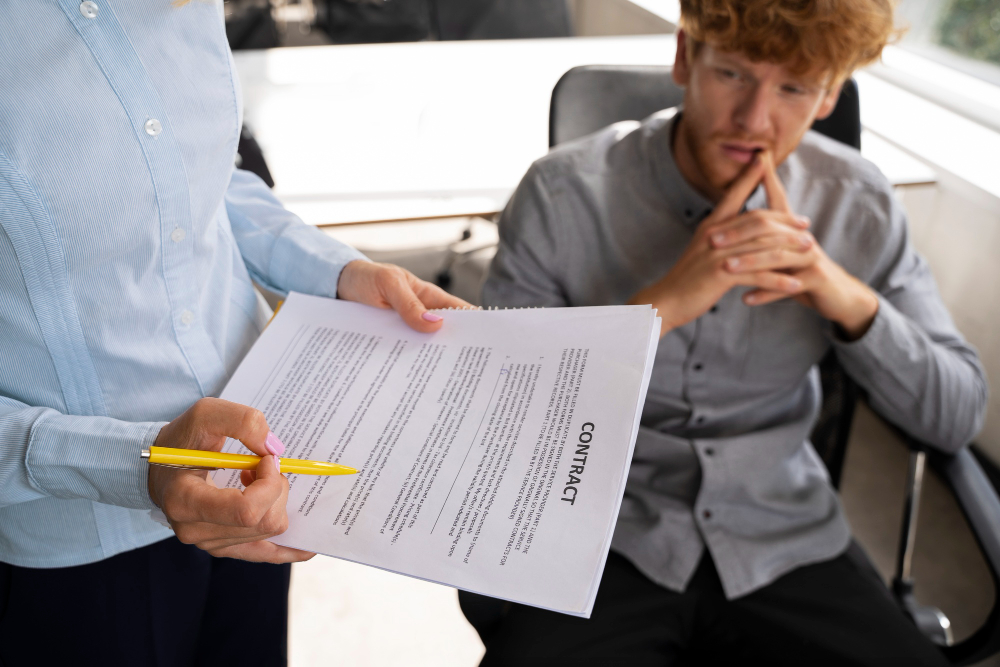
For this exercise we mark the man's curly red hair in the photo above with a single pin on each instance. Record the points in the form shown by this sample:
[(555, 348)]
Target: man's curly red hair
[(825, 37)]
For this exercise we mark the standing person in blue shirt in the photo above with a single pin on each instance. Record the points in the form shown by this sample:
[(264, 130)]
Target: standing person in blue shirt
[(128, 247)]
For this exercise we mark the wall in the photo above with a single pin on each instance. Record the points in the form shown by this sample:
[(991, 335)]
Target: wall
[(595, 18), (957, 228)]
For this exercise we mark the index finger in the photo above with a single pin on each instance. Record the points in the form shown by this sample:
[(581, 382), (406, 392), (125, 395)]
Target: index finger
[(263, 552), (433, 297), (399, 294), (219, 419), (738, 192), (777, 198)]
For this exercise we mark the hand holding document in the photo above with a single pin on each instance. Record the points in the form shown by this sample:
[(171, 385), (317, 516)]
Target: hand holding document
[(492, 454)]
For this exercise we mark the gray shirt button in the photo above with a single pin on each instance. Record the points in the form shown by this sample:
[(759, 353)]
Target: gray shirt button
[(698, 367), (153, 127), (89, 9), (709, 451), (707, 514)]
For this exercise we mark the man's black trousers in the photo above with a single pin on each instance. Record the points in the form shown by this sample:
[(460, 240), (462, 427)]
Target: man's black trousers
[(164, 605), (832, 613)]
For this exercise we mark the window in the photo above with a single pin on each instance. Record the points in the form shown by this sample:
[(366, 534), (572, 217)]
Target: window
[(962, 34)]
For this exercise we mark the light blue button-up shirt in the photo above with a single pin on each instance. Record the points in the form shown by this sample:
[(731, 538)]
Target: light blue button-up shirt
[(127, 247)]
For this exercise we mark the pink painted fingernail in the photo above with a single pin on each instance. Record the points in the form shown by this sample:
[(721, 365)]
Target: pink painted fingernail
[(273, 445), (277, 464), (431, 317), (803, 220), (732, 263), (718, 239)]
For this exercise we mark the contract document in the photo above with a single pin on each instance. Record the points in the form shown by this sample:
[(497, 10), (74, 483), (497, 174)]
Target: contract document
[(492, 454)]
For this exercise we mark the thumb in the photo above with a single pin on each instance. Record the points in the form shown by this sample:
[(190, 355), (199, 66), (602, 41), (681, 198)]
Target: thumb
[(274, 448), (269, 469), (404, 301), (267, 486)]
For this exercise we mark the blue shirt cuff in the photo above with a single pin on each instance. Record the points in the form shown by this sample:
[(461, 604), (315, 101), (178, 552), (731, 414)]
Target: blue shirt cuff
[(96, 458)]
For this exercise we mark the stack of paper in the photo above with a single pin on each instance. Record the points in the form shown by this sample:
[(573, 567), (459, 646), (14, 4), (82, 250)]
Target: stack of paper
[(492, 454)]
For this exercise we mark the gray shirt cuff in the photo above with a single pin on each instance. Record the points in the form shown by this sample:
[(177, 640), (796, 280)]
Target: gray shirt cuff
[(883, 352)]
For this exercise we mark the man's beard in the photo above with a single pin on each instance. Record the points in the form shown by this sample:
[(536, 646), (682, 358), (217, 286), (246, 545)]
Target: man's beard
[(719, 171)]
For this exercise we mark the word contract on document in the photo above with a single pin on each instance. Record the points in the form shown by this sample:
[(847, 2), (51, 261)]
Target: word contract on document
[(492, 455)]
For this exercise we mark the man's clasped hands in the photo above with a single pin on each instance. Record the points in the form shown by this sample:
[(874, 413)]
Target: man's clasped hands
[(770, 250)]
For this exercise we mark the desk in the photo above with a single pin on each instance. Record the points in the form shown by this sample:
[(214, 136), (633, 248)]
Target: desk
[(424, 130), (428, 129)]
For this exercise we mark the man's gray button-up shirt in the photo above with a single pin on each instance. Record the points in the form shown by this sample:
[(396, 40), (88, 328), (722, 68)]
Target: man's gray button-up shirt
[(723, 459)]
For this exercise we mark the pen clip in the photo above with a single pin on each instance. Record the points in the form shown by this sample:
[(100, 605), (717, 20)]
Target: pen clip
[(145, 454), (172, 465)]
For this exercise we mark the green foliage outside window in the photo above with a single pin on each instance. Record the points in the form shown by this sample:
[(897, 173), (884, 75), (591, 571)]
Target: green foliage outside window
[(972, 28)]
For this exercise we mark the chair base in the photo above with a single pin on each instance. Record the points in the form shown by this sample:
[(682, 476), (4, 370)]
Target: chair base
[(931, 621)]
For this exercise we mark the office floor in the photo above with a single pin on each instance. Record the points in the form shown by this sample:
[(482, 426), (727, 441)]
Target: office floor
[(347, 614)]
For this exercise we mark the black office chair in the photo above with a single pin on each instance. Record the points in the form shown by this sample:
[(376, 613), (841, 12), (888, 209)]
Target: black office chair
[(249, 156), (500, 19), (352, 21), (589, 98), (357, 22)]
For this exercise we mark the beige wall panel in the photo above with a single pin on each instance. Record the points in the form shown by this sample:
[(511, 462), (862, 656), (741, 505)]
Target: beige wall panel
[(595, 18), (958, 230)]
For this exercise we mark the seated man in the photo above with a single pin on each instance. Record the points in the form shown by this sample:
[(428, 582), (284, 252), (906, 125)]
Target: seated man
[(763, 245)]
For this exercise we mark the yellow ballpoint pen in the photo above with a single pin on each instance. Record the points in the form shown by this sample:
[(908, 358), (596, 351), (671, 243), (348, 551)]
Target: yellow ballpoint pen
[(198, 459)]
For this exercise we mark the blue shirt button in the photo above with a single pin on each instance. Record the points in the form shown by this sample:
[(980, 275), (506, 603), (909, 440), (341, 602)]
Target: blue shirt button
[(89, 9)]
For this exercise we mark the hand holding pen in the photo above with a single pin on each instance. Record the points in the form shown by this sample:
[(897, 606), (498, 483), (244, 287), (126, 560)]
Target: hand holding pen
[(225, 522)]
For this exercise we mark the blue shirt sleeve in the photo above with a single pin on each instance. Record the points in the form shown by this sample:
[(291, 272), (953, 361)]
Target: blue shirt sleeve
[(280, 251), (49, 454)]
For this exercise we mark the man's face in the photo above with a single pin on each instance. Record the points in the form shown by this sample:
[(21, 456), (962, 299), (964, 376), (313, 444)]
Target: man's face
[(734, 107)]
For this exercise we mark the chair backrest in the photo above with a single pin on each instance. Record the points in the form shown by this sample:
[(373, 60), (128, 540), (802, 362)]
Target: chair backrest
[(590, 97), (833, 426)]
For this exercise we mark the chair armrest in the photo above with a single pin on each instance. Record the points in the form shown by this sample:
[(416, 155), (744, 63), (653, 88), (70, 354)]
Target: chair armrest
[(979, 502)]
